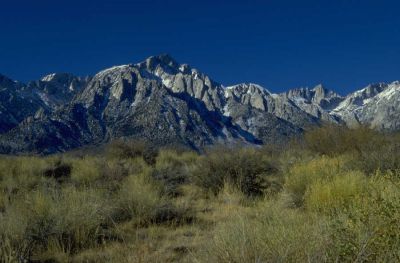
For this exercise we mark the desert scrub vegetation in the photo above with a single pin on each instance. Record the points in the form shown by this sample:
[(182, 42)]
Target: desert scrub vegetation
[(333, 196)]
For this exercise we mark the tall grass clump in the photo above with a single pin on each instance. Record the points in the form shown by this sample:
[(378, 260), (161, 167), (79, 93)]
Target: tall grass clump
[(21, 173), (143, 201), (86, 171), (71, 218), (272, 234), (139, 198)]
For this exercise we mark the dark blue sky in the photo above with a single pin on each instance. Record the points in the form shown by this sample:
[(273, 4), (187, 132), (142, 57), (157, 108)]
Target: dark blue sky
[(278, 44)]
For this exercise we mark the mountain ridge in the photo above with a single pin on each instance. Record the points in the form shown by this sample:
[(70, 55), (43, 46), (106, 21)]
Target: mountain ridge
[(165, 102)]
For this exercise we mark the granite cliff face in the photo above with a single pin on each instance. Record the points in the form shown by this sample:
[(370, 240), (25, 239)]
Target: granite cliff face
[(165, 102)]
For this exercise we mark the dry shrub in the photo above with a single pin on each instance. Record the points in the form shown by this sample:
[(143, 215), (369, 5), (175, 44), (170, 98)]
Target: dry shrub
[(173, 169), (247, 169)]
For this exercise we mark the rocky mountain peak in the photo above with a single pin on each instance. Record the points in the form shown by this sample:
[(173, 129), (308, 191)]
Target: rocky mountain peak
[(250, 94), (325, 97), (164, 60), (320, 92), (319, 95)]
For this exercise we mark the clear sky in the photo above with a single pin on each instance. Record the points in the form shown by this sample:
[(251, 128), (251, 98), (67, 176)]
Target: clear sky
[(343, 44)]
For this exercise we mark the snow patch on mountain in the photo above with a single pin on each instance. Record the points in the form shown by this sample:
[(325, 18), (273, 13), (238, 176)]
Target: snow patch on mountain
[(48, 78)]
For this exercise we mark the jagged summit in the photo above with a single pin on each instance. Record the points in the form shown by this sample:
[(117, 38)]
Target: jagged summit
[(164, 61)]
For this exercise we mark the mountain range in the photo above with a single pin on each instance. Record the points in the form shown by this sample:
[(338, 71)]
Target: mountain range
[(164, 102)]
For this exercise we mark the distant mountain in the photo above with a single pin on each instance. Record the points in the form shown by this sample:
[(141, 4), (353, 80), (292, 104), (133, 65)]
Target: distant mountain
[(165, 102), (57, 89)]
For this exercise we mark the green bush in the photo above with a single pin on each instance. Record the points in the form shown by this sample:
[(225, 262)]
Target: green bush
[(363, 215), (331, 197), (368, 231), (302, 175)]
